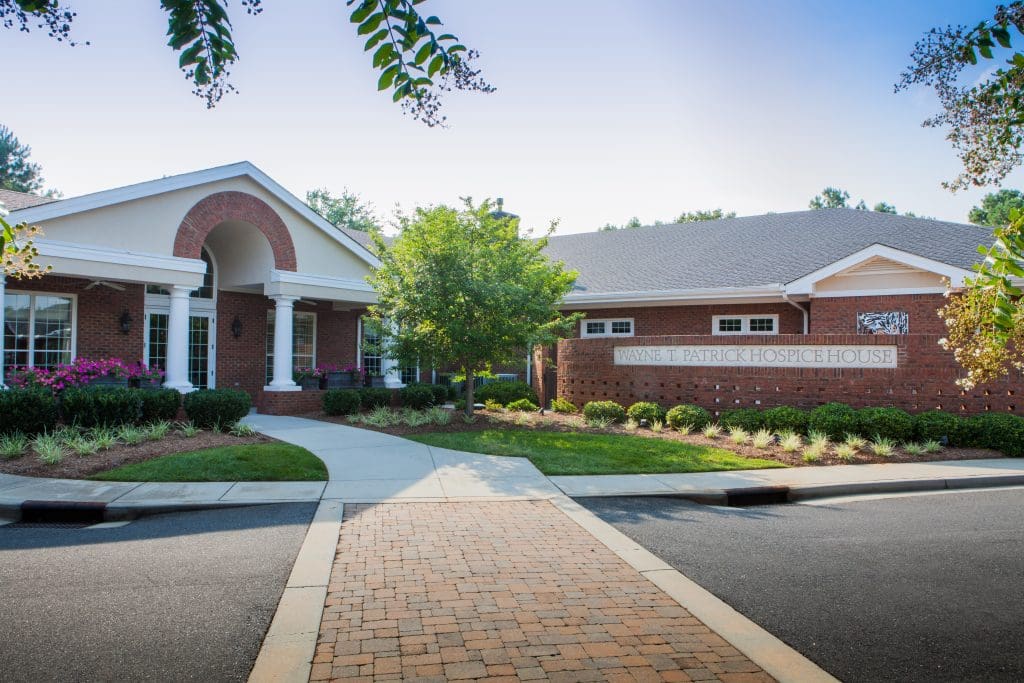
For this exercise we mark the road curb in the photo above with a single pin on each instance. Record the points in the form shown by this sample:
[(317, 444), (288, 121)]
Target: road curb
[(290, 644), (779, 660)]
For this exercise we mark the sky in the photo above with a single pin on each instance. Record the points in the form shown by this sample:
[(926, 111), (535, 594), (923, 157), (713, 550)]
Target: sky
[(604, 109)]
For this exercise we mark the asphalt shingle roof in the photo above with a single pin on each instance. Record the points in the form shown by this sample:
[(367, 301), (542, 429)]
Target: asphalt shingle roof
[(752, 250), (21, 200)]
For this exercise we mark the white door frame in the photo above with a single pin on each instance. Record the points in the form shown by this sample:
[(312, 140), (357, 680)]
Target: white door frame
[(211, 344)]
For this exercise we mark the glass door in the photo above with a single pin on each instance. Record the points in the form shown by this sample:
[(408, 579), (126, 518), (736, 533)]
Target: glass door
[(201, 347)]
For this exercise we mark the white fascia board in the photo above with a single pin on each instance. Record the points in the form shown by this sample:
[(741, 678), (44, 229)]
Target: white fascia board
[(840, 293), (319, 280), (320, 287), (805, 284), (97, 200), (677, 295), (81, 252)]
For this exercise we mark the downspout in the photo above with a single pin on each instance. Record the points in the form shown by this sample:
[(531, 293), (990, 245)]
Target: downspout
[(804, 311)]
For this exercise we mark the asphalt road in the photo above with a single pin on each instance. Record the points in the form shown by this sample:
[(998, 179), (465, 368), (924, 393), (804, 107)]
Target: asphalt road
[(185, 596), (927, 588)]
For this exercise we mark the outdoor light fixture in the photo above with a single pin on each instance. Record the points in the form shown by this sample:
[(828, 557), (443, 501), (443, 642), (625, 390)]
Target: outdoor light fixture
[(126, 322), (236, 327)]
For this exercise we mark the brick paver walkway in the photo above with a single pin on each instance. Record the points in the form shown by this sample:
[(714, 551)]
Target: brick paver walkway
[(504, 591)]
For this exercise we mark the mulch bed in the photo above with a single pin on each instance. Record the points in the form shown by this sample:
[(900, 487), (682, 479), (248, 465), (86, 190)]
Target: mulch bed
[(81, 467), (555, 422)]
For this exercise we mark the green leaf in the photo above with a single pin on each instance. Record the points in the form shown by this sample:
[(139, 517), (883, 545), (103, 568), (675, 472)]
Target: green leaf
[(371, 24), (424, 52), (375, 38), (1001, 35), (435, 65), (364, 10), (985, 50), (388, 77), (433, 21)]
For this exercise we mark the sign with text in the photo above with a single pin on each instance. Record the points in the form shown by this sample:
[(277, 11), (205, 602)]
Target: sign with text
[(760, 356)]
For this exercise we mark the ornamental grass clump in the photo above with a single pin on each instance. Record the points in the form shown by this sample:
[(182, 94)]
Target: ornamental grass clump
[(762, 439), (414, 418), (684, 429), (104, 437), (242, 429), (160, 430), (932, 446), (846, 452), (188, 429), (631, 425), (657, 426), (712, 431), (13, 445), (49, 449), (817, 445), (130, 435), (913, 448), (600, 422), (790, 442), (83, 447), (882, 446), (738, 435), (439, 416), (857, 443), (493, 406)]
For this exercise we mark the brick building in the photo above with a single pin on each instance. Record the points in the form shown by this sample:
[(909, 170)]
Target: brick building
[(225, 279)]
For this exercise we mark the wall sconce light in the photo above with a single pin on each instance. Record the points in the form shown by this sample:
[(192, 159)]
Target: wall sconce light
[(126, 322), (236, 327)]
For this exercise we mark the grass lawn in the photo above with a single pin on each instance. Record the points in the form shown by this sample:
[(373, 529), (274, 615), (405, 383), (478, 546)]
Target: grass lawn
[(579, 453), (252, 462)]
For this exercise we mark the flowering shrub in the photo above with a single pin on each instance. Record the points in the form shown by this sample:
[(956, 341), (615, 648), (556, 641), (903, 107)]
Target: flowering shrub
[(79, 372)]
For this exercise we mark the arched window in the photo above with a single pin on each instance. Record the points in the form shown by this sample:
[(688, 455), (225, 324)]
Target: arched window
[(206, 291)]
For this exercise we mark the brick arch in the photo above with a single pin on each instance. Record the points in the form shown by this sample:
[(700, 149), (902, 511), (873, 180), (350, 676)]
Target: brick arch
[(216, 208)]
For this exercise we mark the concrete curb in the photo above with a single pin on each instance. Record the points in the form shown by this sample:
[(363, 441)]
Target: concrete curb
[(778, 659), (290, 644)]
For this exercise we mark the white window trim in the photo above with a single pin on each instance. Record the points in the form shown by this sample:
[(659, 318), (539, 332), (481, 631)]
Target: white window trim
[(744, 324), (607, 326), (32, 321), (359, 348)]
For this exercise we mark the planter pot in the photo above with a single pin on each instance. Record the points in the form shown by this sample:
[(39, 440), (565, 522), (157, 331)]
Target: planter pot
[(377, 382), (148, 385), (340, 380), (108, 381), (309, 383)]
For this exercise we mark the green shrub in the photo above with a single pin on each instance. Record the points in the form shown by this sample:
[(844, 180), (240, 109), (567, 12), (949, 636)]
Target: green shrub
[(834, 419), (935, 425), (645, 410), (440, 393), (159, 405), (561, 405), (748, 419), (460, 404), (505, 392), (416, 396), (604, 410), (493, 406), (892, 424), (694, 416), (1001, 432), (786, 419), (341, 401), (90, 407), (374, 397), (523, 404), (28, 411), (221, 407)]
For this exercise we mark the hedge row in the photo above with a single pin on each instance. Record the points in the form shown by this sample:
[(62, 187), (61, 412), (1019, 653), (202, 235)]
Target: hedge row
[(999, 431), (348, 401), (31, 411)]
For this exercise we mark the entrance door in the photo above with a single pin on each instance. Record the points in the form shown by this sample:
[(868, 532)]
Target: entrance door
[(201, 346)]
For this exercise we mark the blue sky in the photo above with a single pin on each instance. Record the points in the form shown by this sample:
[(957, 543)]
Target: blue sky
[(604, 109)]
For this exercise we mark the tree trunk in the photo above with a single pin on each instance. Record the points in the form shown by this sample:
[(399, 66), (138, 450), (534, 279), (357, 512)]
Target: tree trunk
[(470, 381)]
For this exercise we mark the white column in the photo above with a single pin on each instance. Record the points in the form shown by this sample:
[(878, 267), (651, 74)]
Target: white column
[(283, 323), (2, 331), (389, 366), (177, 340)]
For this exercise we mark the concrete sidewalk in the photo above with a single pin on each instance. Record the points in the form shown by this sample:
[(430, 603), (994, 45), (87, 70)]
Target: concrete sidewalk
[(805, 482)]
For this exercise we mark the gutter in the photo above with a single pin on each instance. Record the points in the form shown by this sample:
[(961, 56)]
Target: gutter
[(804, 311), (674, 295)]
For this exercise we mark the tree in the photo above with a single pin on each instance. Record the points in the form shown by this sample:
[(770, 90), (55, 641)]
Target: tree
[(883, 207), (701, 215), (16, 171), (995, 208), (416, 64), (17, 251), (830, 198), (984, 120), (344, 211), (461, 288), (633, 222)]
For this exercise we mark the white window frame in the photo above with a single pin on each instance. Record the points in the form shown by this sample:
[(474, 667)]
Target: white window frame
[(32, 321), (744, 324), (607, 326)]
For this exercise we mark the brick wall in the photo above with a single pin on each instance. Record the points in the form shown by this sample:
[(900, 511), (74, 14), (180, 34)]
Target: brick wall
[(656, 320), (924, 379), (838, 315), (99, 315)]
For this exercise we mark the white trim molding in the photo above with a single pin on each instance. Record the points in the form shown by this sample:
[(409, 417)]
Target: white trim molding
[(319, 280), (97, 200), (771, 291), (81, 252), (806, 284)]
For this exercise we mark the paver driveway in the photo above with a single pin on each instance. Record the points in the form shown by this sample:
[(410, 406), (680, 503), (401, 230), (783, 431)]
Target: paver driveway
[(505, 590)]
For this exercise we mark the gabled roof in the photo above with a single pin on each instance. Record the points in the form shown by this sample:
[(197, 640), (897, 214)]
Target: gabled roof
[(150, 188), (21, 200), (753, 252)]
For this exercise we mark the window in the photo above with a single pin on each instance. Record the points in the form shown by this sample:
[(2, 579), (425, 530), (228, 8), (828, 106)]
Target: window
[(303, 341), (410, 375), (887, 322), (206, 291), (371, 347), (745, 324), (38, 330), (621, 327), (157, 343)]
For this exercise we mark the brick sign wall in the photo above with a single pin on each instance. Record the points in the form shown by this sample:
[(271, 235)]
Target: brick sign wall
[(924, 378)]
